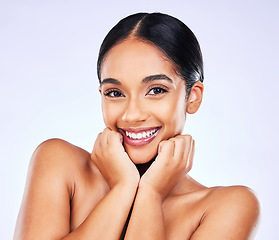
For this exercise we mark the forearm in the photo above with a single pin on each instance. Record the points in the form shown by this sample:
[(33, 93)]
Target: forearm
[(147, 220), (107, 219)]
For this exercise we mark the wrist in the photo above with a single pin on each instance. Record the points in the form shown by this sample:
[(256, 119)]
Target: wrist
[(126, 186), (147, 191)]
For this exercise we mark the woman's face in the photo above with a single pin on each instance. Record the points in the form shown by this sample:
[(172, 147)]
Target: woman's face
[(142, 98)]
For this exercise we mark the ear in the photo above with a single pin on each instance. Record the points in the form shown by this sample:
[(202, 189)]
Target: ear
[(195, 98), (100, 90)]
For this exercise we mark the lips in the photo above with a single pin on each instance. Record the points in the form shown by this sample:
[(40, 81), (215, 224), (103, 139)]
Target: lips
[(138, 137)]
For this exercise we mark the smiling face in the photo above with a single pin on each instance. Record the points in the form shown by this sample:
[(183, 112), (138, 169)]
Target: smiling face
[(142, 97)]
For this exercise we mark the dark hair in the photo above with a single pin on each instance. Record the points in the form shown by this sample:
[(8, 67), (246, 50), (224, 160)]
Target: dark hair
[(165, 32)]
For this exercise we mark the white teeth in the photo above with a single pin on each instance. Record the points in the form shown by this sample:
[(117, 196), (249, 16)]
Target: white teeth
[(141, 135)]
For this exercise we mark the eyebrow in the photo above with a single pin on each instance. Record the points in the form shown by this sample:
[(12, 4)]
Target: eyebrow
[(157, 77), (145, 80), (110, 80)]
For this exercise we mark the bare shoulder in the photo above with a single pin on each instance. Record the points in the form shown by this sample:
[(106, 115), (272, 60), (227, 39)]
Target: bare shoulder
[(233, 194), (229, 212), (60, 149), (51, 181), (60, 155), (235, 199)]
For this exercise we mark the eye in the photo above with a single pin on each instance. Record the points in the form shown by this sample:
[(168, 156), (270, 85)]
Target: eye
[(156, 91), (113, 93)]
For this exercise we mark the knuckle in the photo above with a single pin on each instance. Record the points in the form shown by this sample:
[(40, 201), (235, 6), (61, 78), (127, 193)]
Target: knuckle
[(114, 135), (188, 167), (94, 157), (189, 138), (106, 129), (162, 143), (169, 143), (99, 137), (188, 135), (180, 141)]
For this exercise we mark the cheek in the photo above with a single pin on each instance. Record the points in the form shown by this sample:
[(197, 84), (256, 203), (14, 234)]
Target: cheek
[(110, 115), (172, 114)]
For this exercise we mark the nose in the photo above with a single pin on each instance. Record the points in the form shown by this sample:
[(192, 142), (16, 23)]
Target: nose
[(135, 111)]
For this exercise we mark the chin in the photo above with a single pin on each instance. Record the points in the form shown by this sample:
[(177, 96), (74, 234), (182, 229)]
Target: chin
[(141, 155)]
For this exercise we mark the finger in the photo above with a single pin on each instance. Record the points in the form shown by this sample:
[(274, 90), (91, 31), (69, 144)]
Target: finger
[(191, 156), (181, 144), (187, 146), (96, 146), (114, 132), (161, 144), (167, 150), (104, 140), (179, 149), (97, 142), (185, 149), (115, 140)]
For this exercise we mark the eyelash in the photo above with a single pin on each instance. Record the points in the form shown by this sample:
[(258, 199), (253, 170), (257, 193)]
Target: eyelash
[(110, 91), (118, 93), (162, 90)]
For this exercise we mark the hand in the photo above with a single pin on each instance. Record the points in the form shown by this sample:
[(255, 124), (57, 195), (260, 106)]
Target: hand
[(174, 160), (111, 159)]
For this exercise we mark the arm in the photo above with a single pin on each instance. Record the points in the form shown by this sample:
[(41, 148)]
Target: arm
[(45, 211), (174, 160), (107, 220), (233, 213), (147, 220)]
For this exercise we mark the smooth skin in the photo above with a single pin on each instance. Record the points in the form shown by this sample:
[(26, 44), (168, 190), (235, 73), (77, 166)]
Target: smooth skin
[(72, 194)]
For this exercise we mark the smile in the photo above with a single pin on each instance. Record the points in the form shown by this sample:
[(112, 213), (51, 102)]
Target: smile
[(139, 137)]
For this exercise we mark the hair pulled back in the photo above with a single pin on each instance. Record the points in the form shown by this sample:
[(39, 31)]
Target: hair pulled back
[(165, 32)]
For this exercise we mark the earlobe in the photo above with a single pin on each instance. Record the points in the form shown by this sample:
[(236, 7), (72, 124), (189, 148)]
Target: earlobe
[(195, 98)]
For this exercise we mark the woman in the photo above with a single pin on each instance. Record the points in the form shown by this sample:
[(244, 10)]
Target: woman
[(135, 183)]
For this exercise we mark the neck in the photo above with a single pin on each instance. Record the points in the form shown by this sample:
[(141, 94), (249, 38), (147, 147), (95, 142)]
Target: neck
[(186, 185), (142, 168)]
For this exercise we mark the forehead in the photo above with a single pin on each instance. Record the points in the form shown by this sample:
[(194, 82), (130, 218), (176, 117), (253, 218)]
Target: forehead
[(135, 59)]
